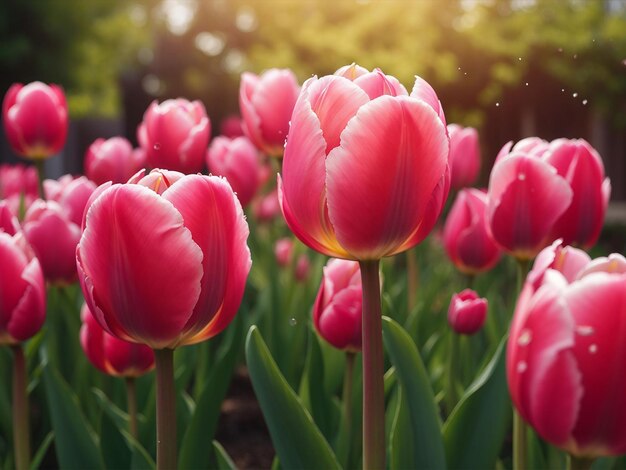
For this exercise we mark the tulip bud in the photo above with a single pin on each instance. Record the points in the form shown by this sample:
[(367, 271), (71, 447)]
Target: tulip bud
[(303, 268), (111, 355), (337, 312), (467, 312), (175, 135), (35, 119), (267, 207), (566, 363), (112, 160), (238, 161), (22, 292), (283, 250), (464, 156), (266, 102), (466, 236), (232, 127)]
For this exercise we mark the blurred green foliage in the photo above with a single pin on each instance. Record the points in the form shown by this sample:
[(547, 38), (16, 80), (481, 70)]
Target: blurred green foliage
[(472, 50)]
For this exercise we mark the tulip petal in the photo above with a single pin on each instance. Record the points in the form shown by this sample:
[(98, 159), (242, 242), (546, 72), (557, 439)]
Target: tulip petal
[(598, 305), (30, 313), (145, 263), (13, 263), (381, 179), (215, 219)]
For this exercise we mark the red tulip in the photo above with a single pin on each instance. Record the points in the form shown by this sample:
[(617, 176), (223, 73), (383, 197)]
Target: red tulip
[(526, 199), (581, 166), (112, 160), (35, 119), (467, 312), (466, 236), (266, 103), (175, 135), (231, 127), (464, 156), (164, 261), (238, 161), (566, 361), (110, 354), (365, 166), (267, 207), (337, 311), (8, 221), (22, 291), (53, 237), (283, 250), (303, 268)]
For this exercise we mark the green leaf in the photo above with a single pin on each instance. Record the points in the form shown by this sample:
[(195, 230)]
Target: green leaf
[(75, 442), (322, 408), (401, 452), (195, 451), (42, 451), (476, 428), (298, 442), (425, 434), (113, 446), (140, 459), (119, 417), (224, 462)]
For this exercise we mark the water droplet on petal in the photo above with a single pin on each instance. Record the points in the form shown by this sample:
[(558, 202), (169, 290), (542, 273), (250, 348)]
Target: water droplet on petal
[(157, 146), (593, 348), (293, 321), (525, 338), (521, 176), (522, 366), (584, 330)]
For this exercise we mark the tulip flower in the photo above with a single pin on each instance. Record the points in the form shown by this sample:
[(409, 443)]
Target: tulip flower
[(232, 127), (338, 305), (238, 161), (464, 156), (466, 236), (566, 364), (283, 250), (175, 135), (526, 198), (365, 175), (16, 180), (582, 167), (266, 102), (267, 207), (303, 268), (112, 160), (22, 314), (467, 312), (163, 261), (8, 222), (35, 119)]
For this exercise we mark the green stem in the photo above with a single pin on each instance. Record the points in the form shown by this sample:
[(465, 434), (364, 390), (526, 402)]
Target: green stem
[(519, 426), (41, 174), (412, 279), (453, 374), (373, 369), (579, 463), (469, 280), (20, 410), (347, 402), (166, 409), (131, 397)]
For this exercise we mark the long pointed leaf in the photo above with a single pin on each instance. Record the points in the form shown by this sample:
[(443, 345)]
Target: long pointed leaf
[(298, 442), (425, 439)]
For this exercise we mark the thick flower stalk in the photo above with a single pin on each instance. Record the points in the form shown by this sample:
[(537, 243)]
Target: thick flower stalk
[(163, 261), (365, 175), (566, 359)]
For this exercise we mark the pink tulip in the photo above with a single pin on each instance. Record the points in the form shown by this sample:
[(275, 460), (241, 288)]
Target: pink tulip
[(266, 103), (464, 156), (232, 127), (303, 268), (8, 221), (18, 179), (175, 135), (267, 207), (581, 166), (111, 355), (365, 167), (53, 237), (22, 291), (566, 361), (163, 260), (337, 310), (283, 250), (466, 236), (112, 160), (238, 161), (35, 119), (526, 198), (467, 312)]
